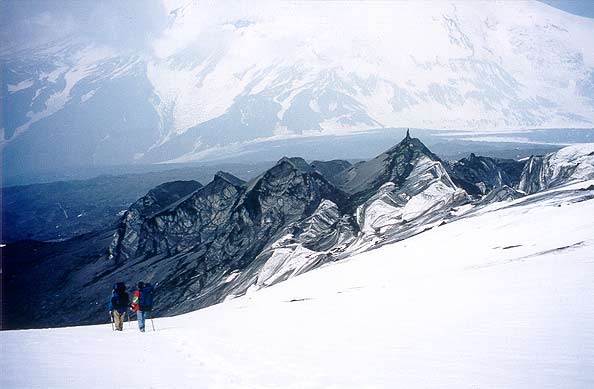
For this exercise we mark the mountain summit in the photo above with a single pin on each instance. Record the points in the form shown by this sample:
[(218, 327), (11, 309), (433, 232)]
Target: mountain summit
[(394, 165)]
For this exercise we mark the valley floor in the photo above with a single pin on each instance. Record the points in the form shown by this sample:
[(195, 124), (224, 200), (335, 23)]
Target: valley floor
[(503, 298)]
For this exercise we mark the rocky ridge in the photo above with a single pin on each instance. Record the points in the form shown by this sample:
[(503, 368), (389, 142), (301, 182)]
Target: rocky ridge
[(209, 243)]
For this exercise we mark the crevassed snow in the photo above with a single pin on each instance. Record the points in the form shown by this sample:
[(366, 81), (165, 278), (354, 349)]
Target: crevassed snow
[(502, 299), (191, 95)]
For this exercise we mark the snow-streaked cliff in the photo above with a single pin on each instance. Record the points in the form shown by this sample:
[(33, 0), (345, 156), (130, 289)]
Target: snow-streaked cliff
[(572, 163)]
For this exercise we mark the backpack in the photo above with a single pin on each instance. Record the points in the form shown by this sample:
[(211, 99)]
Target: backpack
[(120, 299), (145, 298)]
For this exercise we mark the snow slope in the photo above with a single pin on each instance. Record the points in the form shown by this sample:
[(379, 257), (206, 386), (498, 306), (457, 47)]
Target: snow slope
[(499, 299)]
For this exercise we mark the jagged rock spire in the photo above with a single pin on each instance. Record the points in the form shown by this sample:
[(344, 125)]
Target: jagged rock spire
[(297, 163)]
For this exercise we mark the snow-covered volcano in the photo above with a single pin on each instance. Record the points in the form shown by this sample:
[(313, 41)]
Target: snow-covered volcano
[(216, 75), (501, 299)]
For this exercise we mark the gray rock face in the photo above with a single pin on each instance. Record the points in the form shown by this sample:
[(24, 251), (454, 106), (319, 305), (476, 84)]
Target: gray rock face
[(479, 175), (129, 228), (225, 226), (534, 176), (192, 222), (163, 195), (329, 169)]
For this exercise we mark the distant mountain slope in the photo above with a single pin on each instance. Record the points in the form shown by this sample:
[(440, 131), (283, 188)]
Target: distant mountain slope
[(330, 169), (64, 209), (216, 79)]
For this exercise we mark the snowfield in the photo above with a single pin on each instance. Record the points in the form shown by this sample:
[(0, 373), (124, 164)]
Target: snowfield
[(501, 298)]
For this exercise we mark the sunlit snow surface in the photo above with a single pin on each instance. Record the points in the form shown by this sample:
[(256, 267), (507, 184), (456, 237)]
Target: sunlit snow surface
[(499, 299)]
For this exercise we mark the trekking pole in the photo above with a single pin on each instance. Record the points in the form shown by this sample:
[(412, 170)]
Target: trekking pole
[(111, 317), (153, 324), (128, 316)]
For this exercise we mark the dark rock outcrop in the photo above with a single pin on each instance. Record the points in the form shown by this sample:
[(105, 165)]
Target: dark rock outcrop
[(155, 200), (363, 179), (330, 169), (228, 212), (225, 226), (479, 175)]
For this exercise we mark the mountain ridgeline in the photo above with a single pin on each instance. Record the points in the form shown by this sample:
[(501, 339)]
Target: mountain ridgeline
[(200, 245)]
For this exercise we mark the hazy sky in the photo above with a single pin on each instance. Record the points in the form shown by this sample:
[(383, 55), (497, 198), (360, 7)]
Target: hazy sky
[(577, 7), (123, 23)]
